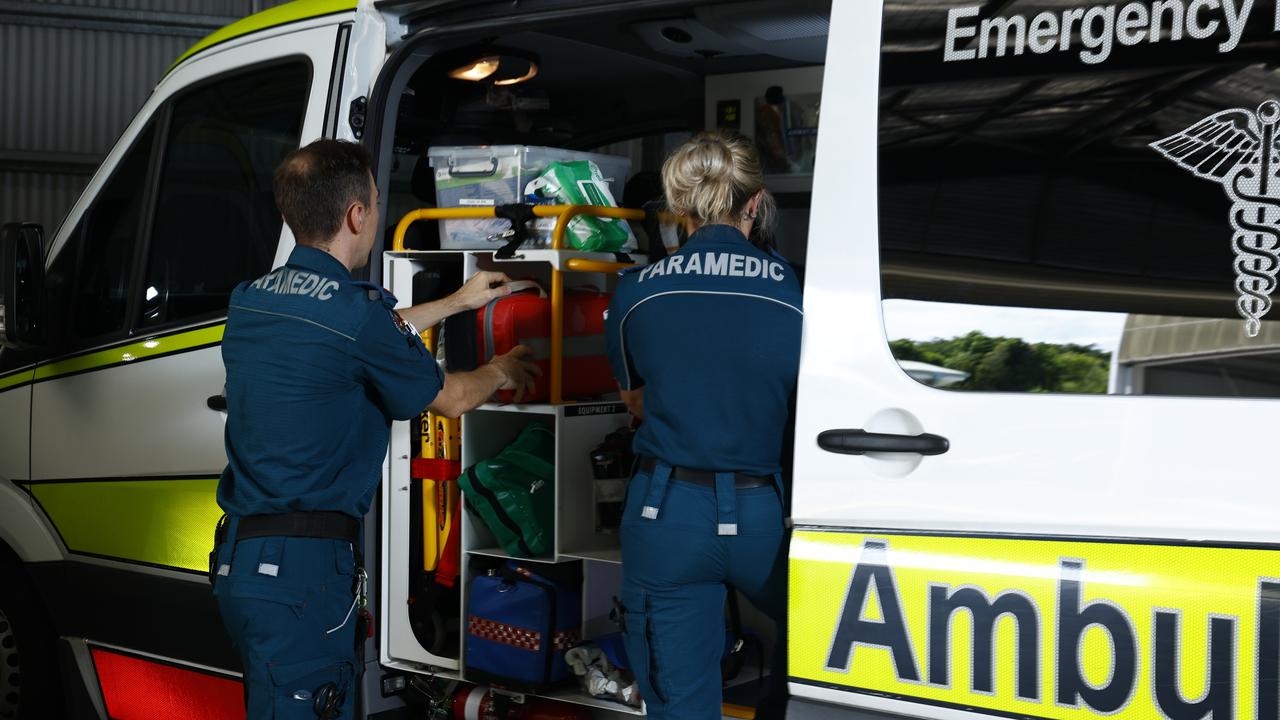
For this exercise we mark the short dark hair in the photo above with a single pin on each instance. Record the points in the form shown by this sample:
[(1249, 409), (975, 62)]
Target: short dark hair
[(315, 185)]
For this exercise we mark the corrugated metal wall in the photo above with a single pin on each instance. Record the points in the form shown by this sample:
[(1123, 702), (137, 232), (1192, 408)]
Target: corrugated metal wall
[(72, 75)]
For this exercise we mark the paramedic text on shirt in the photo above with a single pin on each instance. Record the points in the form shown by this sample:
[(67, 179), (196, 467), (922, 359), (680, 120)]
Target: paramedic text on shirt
[(705, 345), (318, 365)]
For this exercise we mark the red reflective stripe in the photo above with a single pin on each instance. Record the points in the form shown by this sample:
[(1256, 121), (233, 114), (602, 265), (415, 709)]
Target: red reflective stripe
[(136, 689)]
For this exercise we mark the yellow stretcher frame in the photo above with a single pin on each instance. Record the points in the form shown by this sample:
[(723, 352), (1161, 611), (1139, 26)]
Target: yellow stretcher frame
[(563, 214), (440, 440)]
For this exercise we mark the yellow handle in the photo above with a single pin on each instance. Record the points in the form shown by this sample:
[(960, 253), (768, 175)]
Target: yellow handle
[(468, 213), (599, 266), (557, 336)]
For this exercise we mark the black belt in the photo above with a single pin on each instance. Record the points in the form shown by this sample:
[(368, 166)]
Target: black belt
[(317, 524), (708, 477)]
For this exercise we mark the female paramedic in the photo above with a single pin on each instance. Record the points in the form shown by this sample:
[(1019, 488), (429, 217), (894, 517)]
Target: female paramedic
[(706, 347)]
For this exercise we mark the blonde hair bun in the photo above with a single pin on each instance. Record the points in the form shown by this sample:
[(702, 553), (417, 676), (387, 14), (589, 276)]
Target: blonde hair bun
[(711, 178)]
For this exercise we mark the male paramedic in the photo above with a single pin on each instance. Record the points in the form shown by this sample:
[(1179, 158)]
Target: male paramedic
[(318, 365), (706, 348)]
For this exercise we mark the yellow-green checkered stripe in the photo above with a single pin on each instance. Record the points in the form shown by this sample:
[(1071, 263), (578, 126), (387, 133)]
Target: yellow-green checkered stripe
[(165, 522), (151, 347), (273, 17), (15, 379)]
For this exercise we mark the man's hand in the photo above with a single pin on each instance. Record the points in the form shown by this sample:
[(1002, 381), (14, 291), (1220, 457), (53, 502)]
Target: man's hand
[(518, 373), (477, 292), (465, 391), (634, 400)]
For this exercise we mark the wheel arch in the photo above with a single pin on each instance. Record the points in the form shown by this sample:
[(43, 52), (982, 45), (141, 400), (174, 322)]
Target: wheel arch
[(24, 529)]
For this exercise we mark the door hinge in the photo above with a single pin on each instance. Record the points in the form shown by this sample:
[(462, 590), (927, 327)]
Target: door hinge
[(355, 119)]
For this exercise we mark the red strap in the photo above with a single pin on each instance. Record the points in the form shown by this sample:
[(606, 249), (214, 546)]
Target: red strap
[(432, 469), (450, 565)]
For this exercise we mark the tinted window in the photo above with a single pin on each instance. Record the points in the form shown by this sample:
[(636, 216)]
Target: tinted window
[(88, 283), (216, 222), (1058, 214)]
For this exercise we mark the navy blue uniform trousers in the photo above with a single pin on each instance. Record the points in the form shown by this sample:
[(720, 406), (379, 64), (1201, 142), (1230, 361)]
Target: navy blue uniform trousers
[(287, 603), (675, 568)]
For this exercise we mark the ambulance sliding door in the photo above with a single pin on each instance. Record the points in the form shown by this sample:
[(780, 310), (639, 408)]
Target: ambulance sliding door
[(1032, 473)]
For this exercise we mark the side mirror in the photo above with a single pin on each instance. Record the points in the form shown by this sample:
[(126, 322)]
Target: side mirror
[(22, 312)]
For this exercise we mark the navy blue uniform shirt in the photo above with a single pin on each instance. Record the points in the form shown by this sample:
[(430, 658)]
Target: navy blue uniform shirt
[(712, 334), (318, 366)]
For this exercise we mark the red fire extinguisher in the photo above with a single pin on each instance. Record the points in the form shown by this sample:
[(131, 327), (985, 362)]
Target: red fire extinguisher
[(476, 703)]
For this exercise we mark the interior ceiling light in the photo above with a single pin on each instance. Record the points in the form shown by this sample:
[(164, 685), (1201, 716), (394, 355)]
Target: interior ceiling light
[(477, 70), (529, 74), (499, 65)]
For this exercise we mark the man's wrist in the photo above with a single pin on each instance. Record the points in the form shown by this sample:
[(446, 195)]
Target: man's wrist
[(496, 373), (452, 305)]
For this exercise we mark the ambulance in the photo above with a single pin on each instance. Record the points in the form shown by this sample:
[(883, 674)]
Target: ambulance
[(1008, 545)]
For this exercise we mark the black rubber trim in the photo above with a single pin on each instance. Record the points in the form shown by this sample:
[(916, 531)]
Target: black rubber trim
[(336, 75), (148, 613), (78, 698)]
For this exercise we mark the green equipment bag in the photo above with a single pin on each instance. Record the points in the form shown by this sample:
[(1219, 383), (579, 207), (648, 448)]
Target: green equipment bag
[(514, 493), (580, 182)]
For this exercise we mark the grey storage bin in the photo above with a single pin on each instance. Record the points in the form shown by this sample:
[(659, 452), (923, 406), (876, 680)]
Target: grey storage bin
[(491, 175)]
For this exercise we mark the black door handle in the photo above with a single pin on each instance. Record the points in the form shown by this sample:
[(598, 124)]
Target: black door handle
[(217, 402), (861, 442)]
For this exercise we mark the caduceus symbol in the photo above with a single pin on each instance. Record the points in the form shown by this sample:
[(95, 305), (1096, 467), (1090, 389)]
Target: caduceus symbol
[(1237, 149)]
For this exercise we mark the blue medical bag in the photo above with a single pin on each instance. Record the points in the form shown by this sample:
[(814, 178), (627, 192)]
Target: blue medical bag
[(519, 625)]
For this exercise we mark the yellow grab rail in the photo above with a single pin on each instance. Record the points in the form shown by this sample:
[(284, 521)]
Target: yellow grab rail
[(594, 266), (563, 214), (577, 265), (413, 216)]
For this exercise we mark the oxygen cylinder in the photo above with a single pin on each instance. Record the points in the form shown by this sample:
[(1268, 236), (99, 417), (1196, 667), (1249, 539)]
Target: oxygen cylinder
[(475, 703)]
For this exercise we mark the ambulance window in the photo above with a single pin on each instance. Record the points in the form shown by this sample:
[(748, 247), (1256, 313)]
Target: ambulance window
[(1079, 210), (87, 284), (216, 221)]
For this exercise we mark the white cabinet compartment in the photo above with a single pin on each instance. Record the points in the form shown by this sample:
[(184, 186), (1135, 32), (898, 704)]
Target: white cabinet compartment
[(579, 428)]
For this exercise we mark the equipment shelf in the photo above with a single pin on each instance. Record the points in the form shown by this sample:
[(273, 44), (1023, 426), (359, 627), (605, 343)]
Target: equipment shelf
[(578, 427), (497, 552), (580, 698), (534, 409), (606, 555)]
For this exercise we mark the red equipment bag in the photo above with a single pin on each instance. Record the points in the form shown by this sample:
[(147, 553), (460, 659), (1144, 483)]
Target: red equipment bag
[(524, 318)]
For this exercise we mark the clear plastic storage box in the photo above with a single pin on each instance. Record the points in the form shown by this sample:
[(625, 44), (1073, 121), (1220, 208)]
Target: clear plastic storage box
[(491, 175)]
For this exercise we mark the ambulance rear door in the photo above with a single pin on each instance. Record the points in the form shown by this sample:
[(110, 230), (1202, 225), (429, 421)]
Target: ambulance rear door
[(1014, 204)]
